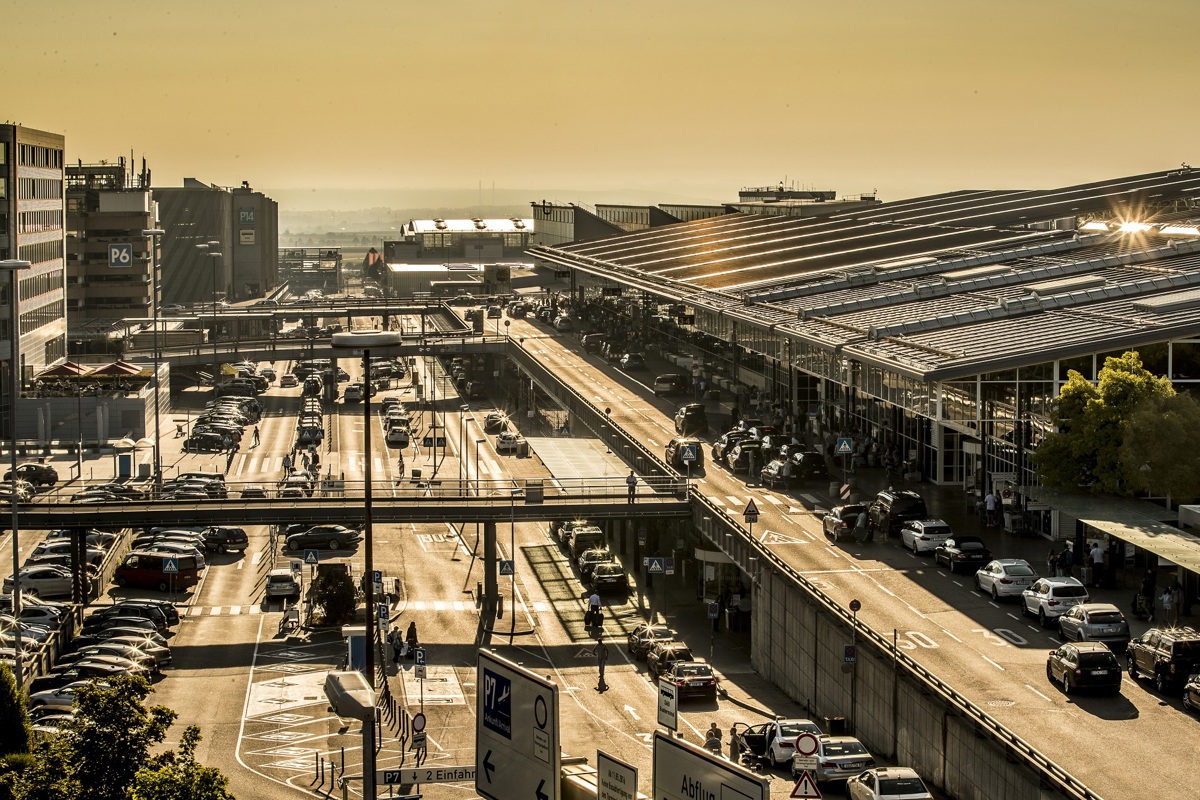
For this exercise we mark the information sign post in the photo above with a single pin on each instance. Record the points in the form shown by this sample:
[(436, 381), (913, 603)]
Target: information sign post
[(517, 746)]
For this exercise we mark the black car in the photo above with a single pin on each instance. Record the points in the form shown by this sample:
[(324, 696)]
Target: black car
[(37, 474), (1084, 665), (839, 523), (727, 442), (738, 458), (223, 538), (82, 671), (692, 679), (663, 654), (645, 635), (1169, 655), (633, 361), (167, 608), (673, 453), (123, 609), (590, 558), (691, 419), (331, 536), (967, 553), (203, 442), (671, 383), (609, 578), (891, 509), (593, 342)]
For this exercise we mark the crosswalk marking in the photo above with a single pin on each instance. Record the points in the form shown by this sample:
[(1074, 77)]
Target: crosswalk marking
[(216, 611), (712, 498), (235, 610), (770, 498), (733, 501)]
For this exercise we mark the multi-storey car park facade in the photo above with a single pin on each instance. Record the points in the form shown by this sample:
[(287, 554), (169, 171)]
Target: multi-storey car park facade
[(941, 327)]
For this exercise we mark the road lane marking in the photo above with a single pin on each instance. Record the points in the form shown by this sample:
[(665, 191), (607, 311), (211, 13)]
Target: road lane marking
[(216, 611), (951, 635), (1039, 694), (770, 498), (993, 663), (1013, 616), (956, 583)]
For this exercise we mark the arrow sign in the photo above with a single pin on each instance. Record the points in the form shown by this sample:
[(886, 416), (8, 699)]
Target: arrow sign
[(488, 766), (311, 557), (540, 794), (806, 788)]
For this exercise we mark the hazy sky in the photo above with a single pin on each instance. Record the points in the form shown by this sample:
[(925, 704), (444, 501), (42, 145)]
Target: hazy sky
[(680, 99)]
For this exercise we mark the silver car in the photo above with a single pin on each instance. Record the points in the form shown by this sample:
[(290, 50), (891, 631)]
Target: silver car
[(1005, 577), (1096, 622), (839, 758)]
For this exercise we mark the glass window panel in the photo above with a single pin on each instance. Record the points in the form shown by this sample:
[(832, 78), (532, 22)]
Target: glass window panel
[(1185, 360), (1037, 372), (1082, 365), (1154, 357)]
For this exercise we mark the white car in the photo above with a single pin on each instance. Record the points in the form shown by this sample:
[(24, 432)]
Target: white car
[(398, 436), (1050, 598), (775, 741), (922, 536), (353, 393), (888, 783), (46, 580), (288, 381), (1005, 577), (507, 441), (397, 418)]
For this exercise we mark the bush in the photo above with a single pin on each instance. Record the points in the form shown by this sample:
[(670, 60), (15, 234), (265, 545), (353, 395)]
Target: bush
[(333, 594)]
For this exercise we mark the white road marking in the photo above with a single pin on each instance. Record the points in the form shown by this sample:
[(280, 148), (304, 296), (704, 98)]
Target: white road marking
[(235, 610), (1051, 638), (631, 712), (733, 501), (216, 611), (1014, 616), (888, 591), (956, 583), (1039, 694), (951, 635), (770, 498), (993, 663), (811, 499), (715, 500)]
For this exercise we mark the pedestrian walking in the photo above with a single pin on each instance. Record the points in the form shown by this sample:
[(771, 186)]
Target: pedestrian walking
[(601, 653), (594, 615), (254, 442), (287, 465), (734, 415), (1167, 601), (227, 443), (989, 505), (397, 643), (410, 638), (1066, 561), (305, 462), (631, 482)]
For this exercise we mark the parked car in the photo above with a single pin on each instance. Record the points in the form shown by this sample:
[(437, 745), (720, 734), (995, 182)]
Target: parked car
[(888, 783), (589, 559), (508, 442), (223, 538), (839, 758), (726, 442), (691, 679), (839, 523), (962, 553), (691, 420), (123, 610), (738, 457), (774, 741), (1168, 655), (43, 580), (90, 669), (1005, 577), (330, 536), (35, 474), (610, 578), (167, 608), (663, 654), (59, 699), (1048, 598), (115, 648), (924, 535), (1096, 622), (891, 509), (1084, 665), (633, 361), (671, 383), (1191, 693), (644, 636)]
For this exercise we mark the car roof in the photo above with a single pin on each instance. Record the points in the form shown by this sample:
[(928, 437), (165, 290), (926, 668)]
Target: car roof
[(1106, 607), (895, 772), (1089, 647)]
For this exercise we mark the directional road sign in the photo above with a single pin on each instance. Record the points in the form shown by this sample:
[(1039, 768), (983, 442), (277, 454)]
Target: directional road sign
[(615, 779), (120, 255), (845, 446), (688, 453), (683, 771), (410, 776), (517, 746), (750, 514), (668, 704), (311, 557), (171, 566), (656, 565), (507, 567)]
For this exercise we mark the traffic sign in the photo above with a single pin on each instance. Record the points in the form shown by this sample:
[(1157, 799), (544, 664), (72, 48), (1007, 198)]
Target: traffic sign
[(418, 741), (684, 771), (801, 763), (669, 565), (408, 777), (311, 557), (419, 663), (855, 605), (849, 653), (376, 576), (845, 446), (615, 779), (656, 565), (171, 566), (750, 514), (668, 704), (806, 788), (688, 453), (807, 744), (507, 567), (120, 255), (418, 724), (714, 610), (517, 745), (641, 535)]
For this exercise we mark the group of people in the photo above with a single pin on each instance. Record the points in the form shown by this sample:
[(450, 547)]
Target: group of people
[(403, 646), (300, 459)]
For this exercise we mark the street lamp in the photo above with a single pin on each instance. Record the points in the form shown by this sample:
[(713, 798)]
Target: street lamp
[(208, 248), (364, 341), (462, 441), (152, 234), (14, 265)]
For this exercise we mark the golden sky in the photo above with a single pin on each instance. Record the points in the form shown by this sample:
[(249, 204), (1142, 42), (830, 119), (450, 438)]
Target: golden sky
[(686, 99)]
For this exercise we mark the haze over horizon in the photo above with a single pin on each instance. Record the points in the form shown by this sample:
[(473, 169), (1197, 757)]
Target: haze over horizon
[(623, 102)]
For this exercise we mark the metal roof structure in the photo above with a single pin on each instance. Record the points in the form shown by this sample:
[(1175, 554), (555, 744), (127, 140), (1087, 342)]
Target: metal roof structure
[(943, 286)]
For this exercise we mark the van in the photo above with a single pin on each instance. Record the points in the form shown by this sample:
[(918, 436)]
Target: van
[(584, 539), (148, 570)]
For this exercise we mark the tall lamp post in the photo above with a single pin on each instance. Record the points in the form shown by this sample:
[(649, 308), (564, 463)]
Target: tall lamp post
[(14, 265), (477, 443), (354, 341), (152, 234), (209, 249), (462, 442)]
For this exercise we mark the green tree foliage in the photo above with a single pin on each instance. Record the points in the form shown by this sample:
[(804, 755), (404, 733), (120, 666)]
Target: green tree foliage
[(180, 777), (97, 755), (333, 593), (1091, 422), (1162, 447), (14, 716)]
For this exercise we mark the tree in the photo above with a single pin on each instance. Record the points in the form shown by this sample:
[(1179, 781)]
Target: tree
[(97, 754), (1091, 424), (333, 592), (14, 715), (180, 777), (1162, 447)]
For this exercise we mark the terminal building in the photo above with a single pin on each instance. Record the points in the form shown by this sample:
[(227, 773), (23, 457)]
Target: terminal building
[(939, 328)]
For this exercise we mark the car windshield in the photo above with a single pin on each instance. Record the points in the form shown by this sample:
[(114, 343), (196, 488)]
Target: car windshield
[(971, 546), (844, 749), (608, 569), (1105, 617), (889, 786), (795, 728), (1097, 660), (1070, 591), (657, 632)]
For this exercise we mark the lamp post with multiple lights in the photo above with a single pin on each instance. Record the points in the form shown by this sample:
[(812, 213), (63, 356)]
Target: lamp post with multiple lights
[(354, 341), (152, 235), (14, 266)]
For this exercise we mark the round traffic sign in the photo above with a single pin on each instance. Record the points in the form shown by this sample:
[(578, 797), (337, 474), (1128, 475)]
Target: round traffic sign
[(855, 606), (807, 744), (418, 722)]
